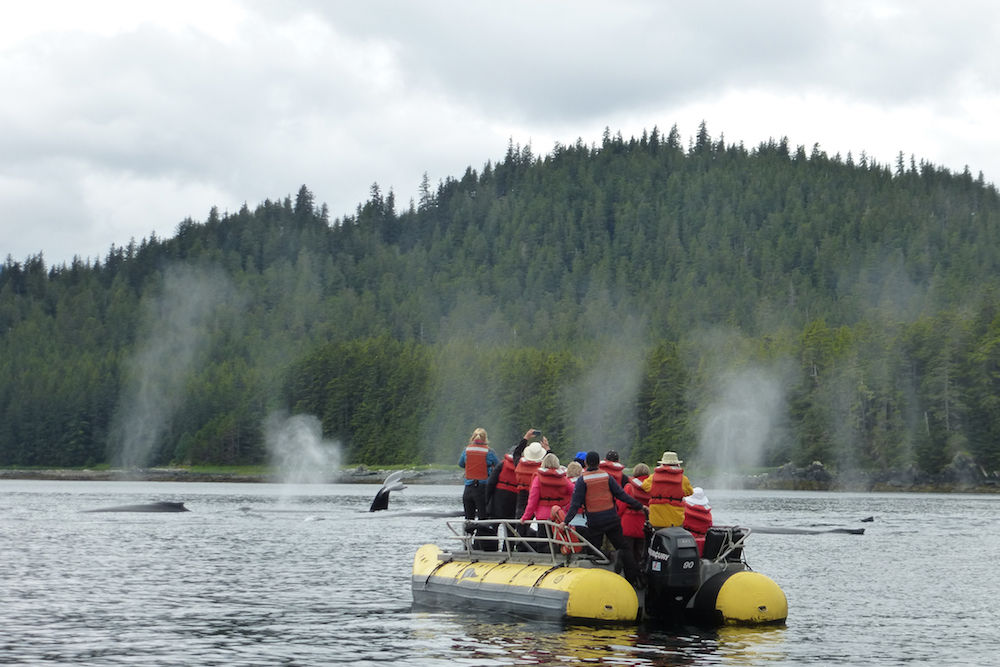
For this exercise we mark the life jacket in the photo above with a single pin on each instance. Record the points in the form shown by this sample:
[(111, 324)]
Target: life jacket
[(697, 519), (525, 473), (613, 468), (475, 460), (552, 488), (634, 489), (633, 520), (558, 516), (598, 498), (667, 487), (507, 479)]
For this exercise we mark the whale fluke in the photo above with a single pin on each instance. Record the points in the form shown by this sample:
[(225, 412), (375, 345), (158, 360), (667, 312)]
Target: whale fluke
[(392, 483)]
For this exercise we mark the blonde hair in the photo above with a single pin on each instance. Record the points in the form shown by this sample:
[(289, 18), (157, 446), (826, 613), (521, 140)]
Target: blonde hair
[(574, 469), (550, 461), (479, 434), (640, 470)]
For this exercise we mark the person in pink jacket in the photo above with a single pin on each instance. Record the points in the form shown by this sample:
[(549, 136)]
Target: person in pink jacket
[(550, 487)]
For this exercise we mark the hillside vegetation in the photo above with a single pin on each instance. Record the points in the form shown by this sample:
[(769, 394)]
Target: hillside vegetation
[(739, 306)]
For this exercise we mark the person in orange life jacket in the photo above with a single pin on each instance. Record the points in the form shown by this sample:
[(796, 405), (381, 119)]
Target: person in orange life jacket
[(667, 487), (697, 516), (478, 460), (527, 466), (611, 465), (597, 490), (550, 487), (634, 521)]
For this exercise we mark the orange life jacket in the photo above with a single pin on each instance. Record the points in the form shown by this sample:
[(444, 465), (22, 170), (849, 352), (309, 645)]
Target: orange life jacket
[(667, 487), (507, 479), (525, 473), (598, 498), (475, 460), (552, 489), (613, 468)]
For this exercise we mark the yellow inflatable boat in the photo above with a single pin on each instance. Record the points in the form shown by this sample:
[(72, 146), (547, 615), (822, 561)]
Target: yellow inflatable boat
[(562, 576)]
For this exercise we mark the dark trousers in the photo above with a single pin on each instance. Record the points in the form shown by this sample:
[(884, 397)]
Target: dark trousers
[(613, 531), (504, 505), (474, 503), (638, 547)]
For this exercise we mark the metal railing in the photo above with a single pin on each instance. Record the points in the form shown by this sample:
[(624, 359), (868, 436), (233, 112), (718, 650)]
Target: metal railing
[(514, 540), (730, 545)]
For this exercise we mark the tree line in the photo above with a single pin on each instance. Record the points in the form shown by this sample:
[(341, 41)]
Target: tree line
[(614, 294)]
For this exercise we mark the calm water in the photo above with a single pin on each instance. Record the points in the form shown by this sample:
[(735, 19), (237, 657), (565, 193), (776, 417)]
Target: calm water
[(268, 574)]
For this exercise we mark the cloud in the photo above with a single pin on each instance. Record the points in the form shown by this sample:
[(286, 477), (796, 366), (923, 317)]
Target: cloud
[(194, 105)]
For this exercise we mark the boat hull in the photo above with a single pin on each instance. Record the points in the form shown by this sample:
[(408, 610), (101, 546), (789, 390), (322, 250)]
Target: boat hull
[(557, 592)]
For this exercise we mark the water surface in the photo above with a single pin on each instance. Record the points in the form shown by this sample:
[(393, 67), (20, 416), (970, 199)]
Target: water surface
[(264, 574)]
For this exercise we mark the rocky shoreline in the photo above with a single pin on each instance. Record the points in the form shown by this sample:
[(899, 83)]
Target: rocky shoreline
[(358, 475), (958, 477)]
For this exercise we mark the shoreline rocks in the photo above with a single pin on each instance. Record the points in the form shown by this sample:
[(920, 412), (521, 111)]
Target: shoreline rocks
[(960, 476)]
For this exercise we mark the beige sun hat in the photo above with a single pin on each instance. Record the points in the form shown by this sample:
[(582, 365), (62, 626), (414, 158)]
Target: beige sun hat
[(534, 452), (669, 459)]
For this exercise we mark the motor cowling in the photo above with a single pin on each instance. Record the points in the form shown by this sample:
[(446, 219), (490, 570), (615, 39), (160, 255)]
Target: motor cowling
[(673, 571)]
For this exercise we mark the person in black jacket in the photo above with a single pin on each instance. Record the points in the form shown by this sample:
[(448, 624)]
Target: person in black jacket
[(596, 491)]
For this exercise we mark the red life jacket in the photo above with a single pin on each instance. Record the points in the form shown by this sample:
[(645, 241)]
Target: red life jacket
[(507, 479), (634, 489), (634, 521), (552, 489), (667, 487), (613, 468), (697, 519), (475, 460), (598, 498), (525, 473)]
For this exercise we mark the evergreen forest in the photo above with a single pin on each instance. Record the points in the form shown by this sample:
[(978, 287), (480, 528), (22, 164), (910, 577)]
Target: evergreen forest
[(740, 306)]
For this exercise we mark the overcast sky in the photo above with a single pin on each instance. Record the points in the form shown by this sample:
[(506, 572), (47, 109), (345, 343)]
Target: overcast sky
[(118, 119)]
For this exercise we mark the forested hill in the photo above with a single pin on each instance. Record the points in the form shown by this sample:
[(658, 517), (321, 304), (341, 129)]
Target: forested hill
[(747, 306)]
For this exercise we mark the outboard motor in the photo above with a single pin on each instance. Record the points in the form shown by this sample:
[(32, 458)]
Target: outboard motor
[(673, 571)]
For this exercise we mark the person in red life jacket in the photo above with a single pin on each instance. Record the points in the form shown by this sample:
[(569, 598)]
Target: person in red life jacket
[(613, 467), (697, 516), (527, 466), (479, 461), (550, 487), (667, 487), (634, 521), (596, 491), (501, 489)]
